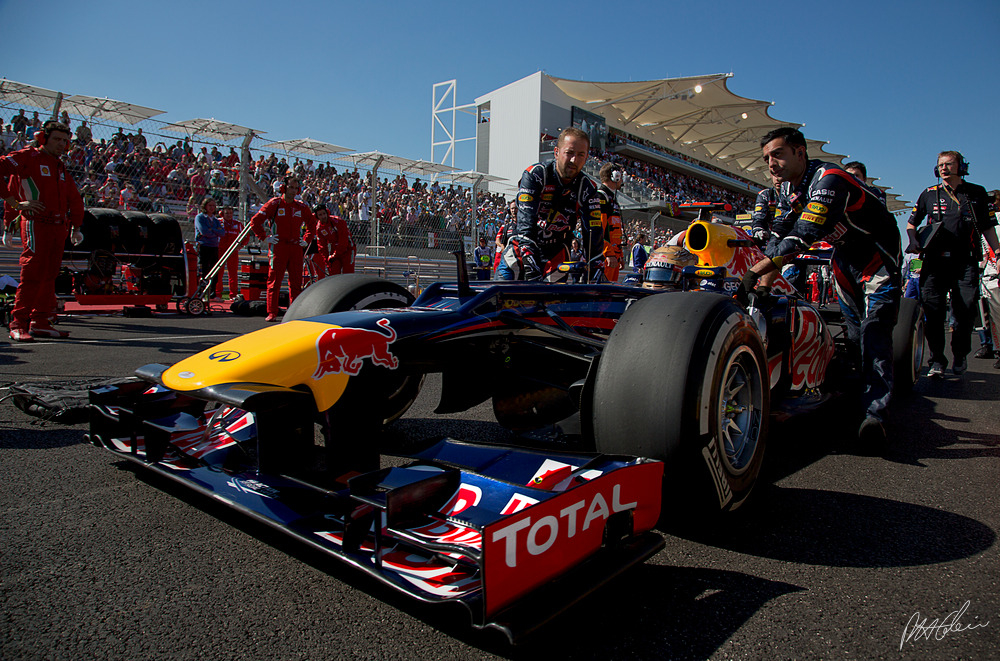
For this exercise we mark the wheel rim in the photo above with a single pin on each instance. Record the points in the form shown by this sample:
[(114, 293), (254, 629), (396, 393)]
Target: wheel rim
[(741, 402)]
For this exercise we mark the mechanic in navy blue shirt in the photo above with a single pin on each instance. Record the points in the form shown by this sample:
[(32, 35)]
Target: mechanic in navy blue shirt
[(825, 202), (639, 254), (552, 200), (767, 219), (951, 261)]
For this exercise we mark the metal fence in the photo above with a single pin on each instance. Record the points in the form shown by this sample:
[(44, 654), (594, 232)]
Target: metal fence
[(150, 165)]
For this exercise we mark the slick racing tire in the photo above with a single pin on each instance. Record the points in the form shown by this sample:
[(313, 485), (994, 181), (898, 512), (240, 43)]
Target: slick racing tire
[(683, 380), (385, 393), (907, 345), (338, 293)]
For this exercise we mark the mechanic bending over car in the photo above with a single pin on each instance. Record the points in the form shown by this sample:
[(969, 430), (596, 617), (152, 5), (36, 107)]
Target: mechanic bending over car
[(951, 261), (825, 202), (552, 199)]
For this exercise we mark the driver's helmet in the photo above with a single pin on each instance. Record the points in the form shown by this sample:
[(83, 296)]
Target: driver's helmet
[(664, 266)]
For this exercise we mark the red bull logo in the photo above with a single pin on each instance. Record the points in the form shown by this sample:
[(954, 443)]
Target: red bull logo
[(343, 350)]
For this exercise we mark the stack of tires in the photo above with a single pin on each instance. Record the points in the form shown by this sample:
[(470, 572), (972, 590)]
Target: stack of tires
[(148, 245)]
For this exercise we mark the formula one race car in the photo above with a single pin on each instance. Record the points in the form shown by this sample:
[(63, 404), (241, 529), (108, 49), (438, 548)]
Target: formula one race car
[(684, 375)]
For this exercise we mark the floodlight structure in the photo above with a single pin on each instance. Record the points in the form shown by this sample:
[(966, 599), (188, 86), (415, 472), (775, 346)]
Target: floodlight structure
[(444, 111)]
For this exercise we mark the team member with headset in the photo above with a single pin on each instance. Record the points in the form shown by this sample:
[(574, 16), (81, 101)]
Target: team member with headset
[(825, 202), (612, 178), (951, 258), (287, 216), (49, 205)]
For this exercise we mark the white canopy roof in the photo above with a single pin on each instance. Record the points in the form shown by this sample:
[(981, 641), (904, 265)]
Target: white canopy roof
[(108, 109), (211, 128), (398, 163), (697, 115), (307, 146), (27, 95)]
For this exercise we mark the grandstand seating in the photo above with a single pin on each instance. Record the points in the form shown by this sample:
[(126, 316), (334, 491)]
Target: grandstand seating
[(122, 172)]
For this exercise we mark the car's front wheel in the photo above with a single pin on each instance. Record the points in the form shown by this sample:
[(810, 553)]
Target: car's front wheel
[(683, 379)]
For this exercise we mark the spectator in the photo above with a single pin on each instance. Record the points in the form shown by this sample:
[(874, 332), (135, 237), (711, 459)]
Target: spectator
[(20, 122), (482, 256)]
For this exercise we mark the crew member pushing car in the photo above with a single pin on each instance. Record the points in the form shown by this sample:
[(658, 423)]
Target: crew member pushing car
[(825, 202), (552, 199)]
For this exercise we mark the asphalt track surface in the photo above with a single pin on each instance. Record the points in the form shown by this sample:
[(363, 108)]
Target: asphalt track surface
[(839, 556)]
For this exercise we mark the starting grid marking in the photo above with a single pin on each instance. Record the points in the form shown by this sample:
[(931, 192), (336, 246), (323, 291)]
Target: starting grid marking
[(159, 338)]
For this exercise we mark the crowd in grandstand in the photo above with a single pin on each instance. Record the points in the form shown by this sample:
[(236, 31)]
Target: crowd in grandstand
[(125, 172)]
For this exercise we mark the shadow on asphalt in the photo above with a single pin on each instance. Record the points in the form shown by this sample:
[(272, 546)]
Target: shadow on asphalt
[(40, 435), (835, 529)]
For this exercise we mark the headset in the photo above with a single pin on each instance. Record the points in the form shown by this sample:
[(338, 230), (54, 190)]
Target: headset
[(284, 184), (617, 175), (963, 166)]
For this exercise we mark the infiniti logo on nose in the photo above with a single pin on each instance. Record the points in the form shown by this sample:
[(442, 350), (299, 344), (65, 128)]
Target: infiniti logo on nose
[(224, 356)]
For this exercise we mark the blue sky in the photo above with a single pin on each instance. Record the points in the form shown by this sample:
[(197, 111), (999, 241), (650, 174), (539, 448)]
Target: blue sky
[(890, 84)]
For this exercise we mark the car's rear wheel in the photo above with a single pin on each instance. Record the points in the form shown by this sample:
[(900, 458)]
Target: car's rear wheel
[(683, 379)]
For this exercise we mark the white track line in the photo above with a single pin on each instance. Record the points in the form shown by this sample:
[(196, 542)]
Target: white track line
[(132, 339)]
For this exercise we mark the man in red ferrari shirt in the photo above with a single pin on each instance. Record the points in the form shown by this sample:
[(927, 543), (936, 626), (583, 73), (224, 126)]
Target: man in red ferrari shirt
[(334, 242), (287, 216), (232, 228), (49, 204)]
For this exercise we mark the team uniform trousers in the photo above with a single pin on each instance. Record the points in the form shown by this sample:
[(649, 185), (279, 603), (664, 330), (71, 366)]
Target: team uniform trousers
[(232, 264), (287, 219), (33, 174), (831, 204), (939, 277), (869, 301), (41, 255), (283, 256)]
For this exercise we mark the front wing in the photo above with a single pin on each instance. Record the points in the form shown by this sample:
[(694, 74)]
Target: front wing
[(484, 526)]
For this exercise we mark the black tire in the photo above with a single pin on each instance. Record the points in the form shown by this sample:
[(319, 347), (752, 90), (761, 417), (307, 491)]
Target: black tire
[(116, 233), (907, 345), (338, 293), (385, 393), (683, 379)]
